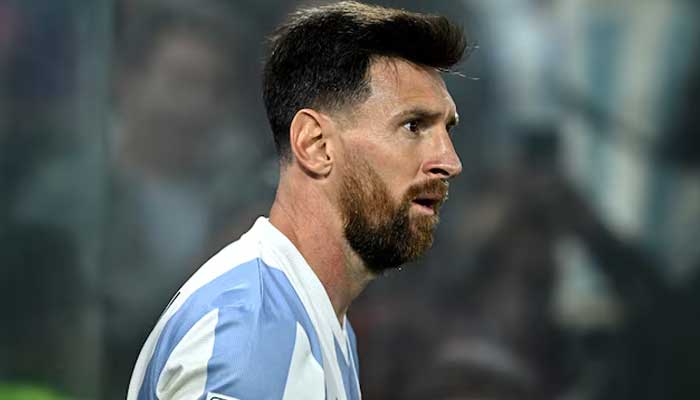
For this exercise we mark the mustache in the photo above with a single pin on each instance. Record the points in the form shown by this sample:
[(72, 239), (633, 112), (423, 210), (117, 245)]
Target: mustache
[(437, 188)]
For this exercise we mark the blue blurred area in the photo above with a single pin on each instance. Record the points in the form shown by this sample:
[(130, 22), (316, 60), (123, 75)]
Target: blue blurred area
[(134, 144)]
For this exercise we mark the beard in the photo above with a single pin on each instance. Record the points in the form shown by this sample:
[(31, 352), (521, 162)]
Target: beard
[(380, 231)]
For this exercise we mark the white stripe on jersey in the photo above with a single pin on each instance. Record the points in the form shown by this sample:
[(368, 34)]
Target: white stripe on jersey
[(185, 374), (305, 380)]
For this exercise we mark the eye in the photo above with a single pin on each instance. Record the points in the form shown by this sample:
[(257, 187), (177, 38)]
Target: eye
[(413, 126)]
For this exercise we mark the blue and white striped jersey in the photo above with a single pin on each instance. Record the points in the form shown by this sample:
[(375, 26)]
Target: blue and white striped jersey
[(254, 322)]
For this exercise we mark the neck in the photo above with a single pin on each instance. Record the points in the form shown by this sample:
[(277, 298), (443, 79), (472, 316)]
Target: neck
[(303, 214)]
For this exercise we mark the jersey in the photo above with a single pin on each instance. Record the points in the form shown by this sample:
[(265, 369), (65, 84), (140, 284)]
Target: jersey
[(253, 323)]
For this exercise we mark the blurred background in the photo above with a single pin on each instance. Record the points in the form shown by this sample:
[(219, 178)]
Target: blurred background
[(134, 144)]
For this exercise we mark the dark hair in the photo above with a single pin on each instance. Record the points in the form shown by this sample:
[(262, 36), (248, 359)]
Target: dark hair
[(320, 57)]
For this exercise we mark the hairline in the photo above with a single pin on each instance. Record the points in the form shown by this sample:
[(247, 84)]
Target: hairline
[(345, 112)]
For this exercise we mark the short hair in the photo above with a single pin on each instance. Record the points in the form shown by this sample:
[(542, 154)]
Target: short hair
[(320, 58)]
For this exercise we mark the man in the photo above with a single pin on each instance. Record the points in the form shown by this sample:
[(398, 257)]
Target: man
[(361, 121)]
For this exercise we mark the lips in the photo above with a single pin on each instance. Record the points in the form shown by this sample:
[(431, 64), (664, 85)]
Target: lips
[(429, 201), (428, 196)]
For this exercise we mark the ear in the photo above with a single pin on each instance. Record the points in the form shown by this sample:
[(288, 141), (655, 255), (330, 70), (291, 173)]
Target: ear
[(308, 137)]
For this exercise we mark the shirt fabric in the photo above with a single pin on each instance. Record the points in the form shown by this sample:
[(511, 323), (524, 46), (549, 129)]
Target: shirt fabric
[(254, 322)]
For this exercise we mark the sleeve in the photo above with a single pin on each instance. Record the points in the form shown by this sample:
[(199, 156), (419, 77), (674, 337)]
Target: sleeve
[(231, 353)]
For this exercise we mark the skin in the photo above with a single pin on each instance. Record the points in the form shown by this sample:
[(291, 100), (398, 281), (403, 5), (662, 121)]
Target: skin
[(401, 132)]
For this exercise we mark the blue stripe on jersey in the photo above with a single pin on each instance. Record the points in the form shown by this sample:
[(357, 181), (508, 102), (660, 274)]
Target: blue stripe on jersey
[(349, 374), (254, 336), (272, 345), (353, 348)]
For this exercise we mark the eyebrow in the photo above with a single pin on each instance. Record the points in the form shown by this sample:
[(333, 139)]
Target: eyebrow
[(422, 113)]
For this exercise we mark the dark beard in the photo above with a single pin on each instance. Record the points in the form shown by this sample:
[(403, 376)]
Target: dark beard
[(376, 228)]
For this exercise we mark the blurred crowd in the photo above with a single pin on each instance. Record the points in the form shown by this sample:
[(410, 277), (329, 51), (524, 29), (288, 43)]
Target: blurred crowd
[(133, 145)]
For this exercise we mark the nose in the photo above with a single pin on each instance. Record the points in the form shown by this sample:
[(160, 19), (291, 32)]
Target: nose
[(443, 163)]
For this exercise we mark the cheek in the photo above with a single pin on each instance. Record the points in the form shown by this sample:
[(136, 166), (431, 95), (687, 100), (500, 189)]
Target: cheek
[(393, 158), (396, 162), (398, 174), (393, 186)]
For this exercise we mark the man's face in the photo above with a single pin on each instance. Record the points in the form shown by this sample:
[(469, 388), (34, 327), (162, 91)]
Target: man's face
[(397, 157)]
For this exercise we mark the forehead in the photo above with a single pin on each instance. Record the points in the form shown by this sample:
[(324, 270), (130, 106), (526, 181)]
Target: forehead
[(397, 85)]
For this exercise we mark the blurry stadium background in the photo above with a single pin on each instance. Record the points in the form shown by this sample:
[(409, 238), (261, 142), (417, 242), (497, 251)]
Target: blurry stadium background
[(133, 145)]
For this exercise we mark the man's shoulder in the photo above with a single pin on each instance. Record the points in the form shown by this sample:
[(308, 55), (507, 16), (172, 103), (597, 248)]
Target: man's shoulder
[(244, 331), (246, 291), (238, 278), (230, 277), (251, 275), (235, 288), (238, 323)]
